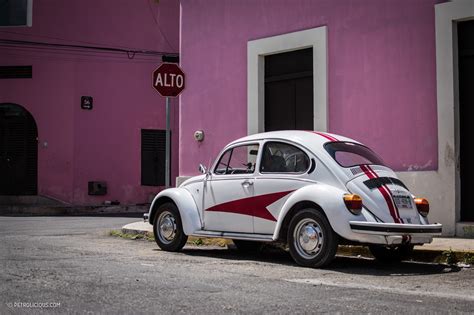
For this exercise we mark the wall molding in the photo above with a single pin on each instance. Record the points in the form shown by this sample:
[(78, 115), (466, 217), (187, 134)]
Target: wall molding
[(315, 38)]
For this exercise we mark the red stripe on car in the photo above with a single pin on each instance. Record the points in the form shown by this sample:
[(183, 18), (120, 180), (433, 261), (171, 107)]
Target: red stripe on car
[(253, 206), (329, 137), (385, 193), (397, 213)]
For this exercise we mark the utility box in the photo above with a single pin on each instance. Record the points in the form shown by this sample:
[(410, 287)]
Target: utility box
[(97, 188)]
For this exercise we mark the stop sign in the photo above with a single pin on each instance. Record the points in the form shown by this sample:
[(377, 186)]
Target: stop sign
[(168, 79)]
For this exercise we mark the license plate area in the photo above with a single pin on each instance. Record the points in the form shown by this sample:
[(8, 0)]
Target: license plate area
[(403, 202)]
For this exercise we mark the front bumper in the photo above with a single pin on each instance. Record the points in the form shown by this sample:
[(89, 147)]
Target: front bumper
[(387, 229)]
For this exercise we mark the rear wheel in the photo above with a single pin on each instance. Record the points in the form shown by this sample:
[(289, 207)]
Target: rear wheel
[(248, 246), (168, 229), (311, 240), (389, 254)]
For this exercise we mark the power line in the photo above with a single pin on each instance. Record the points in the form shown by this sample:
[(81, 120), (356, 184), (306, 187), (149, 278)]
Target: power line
[(129, 52), (72, 55), (65, 39)]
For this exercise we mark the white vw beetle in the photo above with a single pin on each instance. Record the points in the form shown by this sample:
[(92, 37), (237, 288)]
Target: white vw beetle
[(311, 190)]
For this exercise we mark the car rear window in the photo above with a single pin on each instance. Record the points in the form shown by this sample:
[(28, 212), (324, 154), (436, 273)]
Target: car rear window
[(348, 154)]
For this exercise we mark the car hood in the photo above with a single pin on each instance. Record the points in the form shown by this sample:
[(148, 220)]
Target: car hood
[(194, 179), (384, 195)]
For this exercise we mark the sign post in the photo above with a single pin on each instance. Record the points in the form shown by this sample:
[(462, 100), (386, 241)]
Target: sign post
[(168, 145), (168, 80)]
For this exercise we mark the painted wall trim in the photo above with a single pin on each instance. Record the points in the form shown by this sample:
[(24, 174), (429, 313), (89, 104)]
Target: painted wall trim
[(259, 48), (447, 181)]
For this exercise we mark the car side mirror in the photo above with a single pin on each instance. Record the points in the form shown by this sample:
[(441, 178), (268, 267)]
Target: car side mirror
[(202, 169)]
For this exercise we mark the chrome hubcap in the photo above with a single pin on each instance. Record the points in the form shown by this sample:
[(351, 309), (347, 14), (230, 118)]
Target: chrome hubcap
[(308, 238), (167, 227)]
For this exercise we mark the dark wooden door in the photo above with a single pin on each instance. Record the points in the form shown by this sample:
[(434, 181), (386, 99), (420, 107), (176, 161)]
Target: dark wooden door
[(466, 112), (289, 90), (18, 151)]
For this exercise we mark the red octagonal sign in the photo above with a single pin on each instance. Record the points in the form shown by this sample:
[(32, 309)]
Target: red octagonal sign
[(168, 79)]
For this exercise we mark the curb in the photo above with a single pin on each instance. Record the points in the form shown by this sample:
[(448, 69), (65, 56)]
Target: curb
[(135, 232), (420, 254), (61, 210)]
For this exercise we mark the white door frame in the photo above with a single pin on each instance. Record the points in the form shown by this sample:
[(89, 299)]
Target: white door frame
[(315, 38), (446, 16)]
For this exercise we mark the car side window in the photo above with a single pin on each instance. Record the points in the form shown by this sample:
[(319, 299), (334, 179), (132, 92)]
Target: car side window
[(281, 157), (238, 160)]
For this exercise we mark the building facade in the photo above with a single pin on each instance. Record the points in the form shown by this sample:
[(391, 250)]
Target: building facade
[(73, 54), (378, 71), (393, 74)]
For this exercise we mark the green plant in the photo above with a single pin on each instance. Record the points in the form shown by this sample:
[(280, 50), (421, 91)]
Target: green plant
[(468, 259), (450, 257), (130, 236), (198, 242)]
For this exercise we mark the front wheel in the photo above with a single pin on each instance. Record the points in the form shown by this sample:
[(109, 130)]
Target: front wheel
[(311, 240), (168, 229), (388, 254)]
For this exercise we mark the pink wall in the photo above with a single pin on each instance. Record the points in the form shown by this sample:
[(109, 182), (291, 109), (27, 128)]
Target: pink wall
[(382, 83), (102, 144)]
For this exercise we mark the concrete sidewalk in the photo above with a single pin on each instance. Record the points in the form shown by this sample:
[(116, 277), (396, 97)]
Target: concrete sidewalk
[(47, 206), (67, 210), (439, 244)]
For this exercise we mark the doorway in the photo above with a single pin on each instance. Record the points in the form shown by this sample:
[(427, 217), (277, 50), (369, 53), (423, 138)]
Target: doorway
[(18, 151), (466, 111), (289, 90)]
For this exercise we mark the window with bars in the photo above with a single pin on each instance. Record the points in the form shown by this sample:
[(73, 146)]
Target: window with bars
[(16, 72), (15, 13)]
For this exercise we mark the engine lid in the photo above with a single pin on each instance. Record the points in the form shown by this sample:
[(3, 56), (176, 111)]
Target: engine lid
[(384, 194)]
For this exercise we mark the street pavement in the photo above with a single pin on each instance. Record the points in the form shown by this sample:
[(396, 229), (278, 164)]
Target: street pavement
[(72, 265)]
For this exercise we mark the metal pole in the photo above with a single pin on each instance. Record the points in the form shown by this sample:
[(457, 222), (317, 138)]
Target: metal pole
[(168, 144)]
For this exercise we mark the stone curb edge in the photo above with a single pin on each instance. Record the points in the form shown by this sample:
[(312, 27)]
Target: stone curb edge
[(419, 254), (137, 210)]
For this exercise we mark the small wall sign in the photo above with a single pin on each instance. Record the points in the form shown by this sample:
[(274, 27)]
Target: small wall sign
[(86, 102)]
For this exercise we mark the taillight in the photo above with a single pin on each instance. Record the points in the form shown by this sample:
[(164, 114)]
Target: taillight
[(423, 206), (353, 203)]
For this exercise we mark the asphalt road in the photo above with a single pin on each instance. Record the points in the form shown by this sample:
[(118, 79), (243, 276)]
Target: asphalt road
[(72, 263)]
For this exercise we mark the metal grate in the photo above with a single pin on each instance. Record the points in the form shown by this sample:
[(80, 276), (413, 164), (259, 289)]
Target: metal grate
[(356, 170), (153, 153), (16, 72)]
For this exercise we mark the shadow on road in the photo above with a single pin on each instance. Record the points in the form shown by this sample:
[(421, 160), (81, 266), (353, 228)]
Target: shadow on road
[(344, 264)]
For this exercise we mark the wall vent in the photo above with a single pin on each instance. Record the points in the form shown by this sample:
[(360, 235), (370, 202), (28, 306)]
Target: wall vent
[(16, 72), (153, 157)]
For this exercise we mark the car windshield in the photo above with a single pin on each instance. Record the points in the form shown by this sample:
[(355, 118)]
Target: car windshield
[(348, 154)]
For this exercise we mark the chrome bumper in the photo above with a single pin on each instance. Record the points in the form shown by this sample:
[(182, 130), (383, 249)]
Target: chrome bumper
[(389, 229), (145, 217)]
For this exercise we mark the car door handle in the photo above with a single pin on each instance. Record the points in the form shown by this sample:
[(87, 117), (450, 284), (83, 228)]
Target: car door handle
[(247, 183)]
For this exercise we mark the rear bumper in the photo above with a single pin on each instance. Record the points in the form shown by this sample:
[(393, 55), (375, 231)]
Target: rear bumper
[(388, 229), (393, 233)]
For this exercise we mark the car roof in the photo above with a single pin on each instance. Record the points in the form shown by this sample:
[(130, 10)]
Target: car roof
[(312, 139)]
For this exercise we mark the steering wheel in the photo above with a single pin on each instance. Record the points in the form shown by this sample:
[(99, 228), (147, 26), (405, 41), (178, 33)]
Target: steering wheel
[(248, 165)]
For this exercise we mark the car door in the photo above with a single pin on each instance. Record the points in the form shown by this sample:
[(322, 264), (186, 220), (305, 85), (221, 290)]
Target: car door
[(229, 190), (283, 169)]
